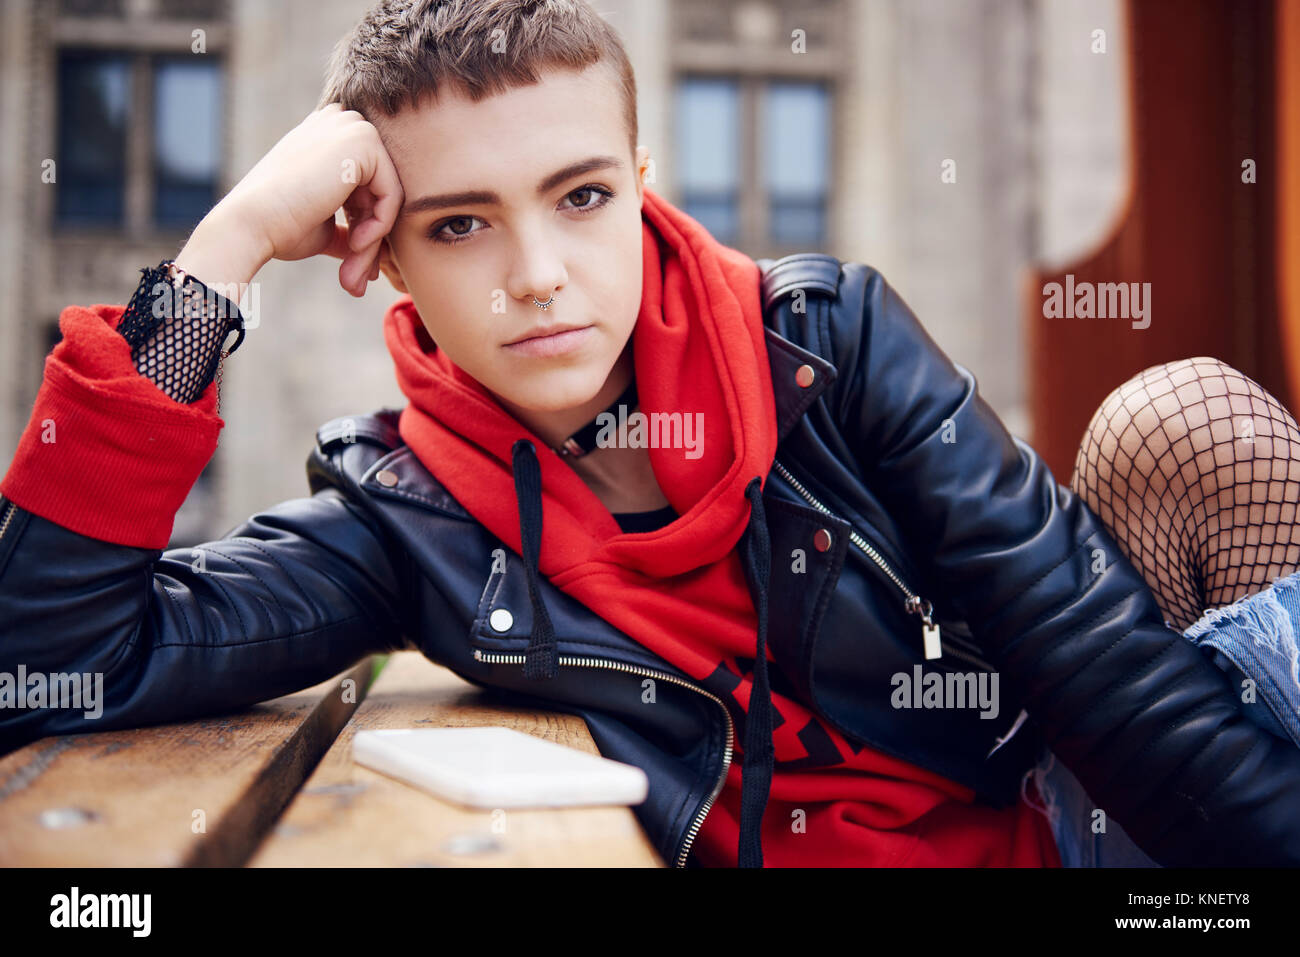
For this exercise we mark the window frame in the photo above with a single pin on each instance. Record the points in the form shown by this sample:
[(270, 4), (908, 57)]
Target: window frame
[(725, 49), (143, 42)]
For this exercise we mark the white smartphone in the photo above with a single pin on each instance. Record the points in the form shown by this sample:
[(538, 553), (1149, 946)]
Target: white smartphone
[(495, 767)]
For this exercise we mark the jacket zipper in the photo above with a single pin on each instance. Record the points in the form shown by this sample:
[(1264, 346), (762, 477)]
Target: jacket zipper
[(7, 509), (691, 833), (913, 603)]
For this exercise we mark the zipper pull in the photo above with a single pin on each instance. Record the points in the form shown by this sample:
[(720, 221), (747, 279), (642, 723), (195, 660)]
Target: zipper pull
[(916, 605), (1020, 719)]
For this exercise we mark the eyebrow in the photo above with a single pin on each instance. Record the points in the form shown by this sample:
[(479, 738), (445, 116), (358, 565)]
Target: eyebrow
[(480, 197)]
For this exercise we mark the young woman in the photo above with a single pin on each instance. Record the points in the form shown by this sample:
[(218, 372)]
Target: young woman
[(817, 485)]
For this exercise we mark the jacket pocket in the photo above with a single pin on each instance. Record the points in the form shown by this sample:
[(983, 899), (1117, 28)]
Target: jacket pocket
[(841, 632)]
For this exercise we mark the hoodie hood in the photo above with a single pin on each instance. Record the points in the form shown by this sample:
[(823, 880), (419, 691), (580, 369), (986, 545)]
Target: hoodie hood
[(698, 347)]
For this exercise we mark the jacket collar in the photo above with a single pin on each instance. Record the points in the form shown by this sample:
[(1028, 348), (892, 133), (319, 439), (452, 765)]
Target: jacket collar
[(796, 390), (798, 378)]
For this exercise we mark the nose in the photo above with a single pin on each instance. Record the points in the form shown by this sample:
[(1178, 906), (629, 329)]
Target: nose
[(538, 266)]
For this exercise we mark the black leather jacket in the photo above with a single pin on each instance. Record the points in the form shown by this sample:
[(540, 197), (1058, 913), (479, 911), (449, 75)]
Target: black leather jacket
[(897, 480)]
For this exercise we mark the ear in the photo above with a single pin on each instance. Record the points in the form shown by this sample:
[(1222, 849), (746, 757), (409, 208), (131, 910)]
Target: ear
[(388, 266), (642, 169)]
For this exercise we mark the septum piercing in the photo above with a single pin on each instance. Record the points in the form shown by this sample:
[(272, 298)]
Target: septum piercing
[(544, 305)]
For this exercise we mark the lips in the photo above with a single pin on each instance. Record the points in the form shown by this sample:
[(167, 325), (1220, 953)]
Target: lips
[(555, 342), (543, 331)]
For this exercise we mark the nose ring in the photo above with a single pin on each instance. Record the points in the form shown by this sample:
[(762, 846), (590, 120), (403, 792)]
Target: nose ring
[(543, 305)]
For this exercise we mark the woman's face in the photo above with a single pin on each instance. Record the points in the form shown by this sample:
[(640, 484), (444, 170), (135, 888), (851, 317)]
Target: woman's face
[(528, 193)]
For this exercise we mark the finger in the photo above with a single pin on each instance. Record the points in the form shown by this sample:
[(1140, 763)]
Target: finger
[(386, 187), (355, 269), (339, 245), (358, 208), (386, 195), (352, 284)]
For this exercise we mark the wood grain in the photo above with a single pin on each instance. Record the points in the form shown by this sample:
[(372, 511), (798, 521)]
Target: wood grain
[(201, 792), (348, 815)]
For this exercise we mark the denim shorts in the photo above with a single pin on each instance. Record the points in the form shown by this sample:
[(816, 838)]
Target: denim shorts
[(1253, 642)]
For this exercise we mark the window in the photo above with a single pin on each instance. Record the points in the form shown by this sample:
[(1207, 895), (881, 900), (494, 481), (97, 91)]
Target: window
[(795, 153), (708, 141), (108, 101), (186, 140), (755, 184), (753, 119), (91, 163)]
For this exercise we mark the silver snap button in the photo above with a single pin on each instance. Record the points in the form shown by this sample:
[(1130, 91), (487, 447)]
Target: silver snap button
[(822, 540), (386, 478), (804, 375), (501, 619)]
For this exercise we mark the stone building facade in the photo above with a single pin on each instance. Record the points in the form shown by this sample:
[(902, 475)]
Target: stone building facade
[(950, 143)]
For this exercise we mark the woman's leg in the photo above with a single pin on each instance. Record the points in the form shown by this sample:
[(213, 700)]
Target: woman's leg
[(1194, 469)]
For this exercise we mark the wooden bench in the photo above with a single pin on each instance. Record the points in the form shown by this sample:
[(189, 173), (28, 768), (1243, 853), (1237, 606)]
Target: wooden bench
[(347, 813), (275, 785)]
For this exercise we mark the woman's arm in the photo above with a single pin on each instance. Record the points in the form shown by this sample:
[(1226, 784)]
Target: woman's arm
[(288, 599), (1150, 727)]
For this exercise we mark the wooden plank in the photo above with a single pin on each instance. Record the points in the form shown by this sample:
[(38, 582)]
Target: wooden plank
[(201, 792), (348, 815)]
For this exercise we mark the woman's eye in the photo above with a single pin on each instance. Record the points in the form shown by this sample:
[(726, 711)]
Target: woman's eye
[(453, 230), (598, 196), (458, 229)]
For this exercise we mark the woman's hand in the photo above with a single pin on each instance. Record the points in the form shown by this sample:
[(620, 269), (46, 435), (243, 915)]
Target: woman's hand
[(287, 202)]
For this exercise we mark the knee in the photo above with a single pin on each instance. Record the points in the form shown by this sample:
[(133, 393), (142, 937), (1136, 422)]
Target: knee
[(1165, 429)]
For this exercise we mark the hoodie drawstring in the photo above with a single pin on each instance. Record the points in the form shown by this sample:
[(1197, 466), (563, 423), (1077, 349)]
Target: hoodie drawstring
[(541, 659), (756, 771)]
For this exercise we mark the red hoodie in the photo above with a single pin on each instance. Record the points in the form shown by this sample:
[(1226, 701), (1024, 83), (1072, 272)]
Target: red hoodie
[(699, 347)]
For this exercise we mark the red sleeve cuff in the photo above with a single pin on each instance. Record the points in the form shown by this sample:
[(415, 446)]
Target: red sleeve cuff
[(106, 453)]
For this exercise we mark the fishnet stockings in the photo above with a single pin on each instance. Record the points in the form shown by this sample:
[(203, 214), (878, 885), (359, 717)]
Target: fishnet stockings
[(1195, 471)]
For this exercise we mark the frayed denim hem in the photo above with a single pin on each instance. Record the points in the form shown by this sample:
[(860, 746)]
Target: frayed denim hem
[(1084, 835), (1254, 642)]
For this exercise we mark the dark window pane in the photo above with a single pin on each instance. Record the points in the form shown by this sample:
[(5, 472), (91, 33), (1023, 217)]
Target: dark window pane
[(708, 153), (720, 215), (187, 137), (796, 150), (798, 221), (91, 163)]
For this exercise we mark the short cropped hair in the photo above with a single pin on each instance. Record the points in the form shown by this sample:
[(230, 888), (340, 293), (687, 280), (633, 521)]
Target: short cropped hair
[(403, 50)]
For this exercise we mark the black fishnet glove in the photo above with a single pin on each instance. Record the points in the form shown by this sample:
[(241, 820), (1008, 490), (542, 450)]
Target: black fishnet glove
[(176, 332)]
